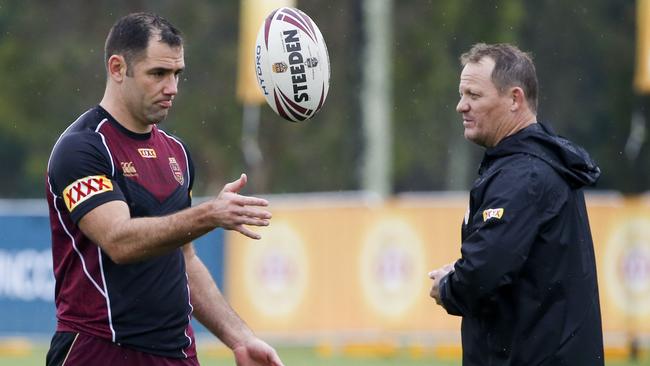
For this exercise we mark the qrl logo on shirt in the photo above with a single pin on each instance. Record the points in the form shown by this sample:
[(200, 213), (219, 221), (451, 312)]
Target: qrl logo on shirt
[(84, 188), (176, 169), (492, 213)]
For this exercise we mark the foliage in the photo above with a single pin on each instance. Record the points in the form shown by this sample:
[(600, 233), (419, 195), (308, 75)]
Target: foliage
[(51, 57)]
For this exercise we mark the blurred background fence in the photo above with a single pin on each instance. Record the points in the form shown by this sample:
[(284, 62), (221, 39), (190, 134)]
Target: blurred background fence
[(343, 268)]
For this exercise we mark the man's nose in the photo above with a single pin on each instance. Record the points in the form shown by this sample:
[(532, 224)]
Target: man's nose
[(462, 106), (171, 86)]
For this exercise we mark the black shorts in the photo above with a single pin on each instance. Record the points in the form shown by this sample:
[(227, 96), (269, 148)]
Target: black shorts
[(76, 349)]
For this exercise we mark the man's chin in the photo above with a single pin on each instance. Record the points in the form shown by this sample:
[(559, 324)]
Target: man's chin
[(473, 137), (156, 118), (469, 135)]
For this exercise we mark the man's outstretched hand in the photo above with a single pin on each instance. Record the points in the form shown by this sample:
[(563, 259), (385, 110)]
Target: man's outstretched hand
[(234, 211)]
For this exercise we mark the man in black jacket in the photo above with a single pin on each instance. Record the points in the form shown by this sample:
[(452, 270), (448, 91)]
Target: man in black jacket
[(525, 284)]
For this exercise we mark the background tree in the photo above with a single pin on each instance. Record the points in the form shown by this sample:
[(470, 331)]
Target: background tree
[(51, 70)]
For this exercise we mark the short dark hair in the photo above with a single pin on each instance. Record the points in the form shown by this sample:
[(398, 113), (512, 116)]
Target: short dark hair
[(513, 67), (130, 36)]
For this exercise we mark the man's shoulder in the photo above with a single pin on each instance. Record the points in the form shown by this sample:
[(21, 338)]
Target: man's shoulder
[(525, 173), (523, 162), (88, 121), (79, 140), (76, 141), (83, 129)]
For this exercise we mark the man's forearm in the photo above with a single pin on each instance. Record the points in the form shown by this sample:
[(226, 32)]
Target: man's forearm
[(129, 239), (210, 308)]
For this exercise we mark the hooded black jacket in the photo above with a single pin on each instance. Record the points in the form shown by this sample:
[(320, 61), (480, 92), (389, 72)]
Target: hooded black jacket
[(526, 281)]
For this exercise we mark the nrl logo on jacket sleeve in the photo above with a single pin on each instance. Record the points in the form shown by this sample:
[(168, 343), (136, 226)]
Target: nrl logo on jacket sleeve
[(492, 213), (84, 188)]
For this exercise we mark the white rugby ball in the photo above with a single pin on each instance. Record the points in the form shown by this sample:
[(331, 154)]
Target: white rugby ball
[(292, 64)]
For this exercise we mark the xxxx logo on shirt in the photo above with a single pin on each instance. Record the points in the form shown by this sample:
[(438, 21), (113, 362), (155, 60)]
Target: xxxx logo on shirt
[(84, 188), (492, 213), (147, 153)]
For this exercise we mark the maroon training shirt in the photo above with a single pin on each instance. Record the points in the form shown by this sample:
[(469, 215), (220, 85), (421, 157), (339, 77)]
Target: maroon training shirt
[(144, 305)]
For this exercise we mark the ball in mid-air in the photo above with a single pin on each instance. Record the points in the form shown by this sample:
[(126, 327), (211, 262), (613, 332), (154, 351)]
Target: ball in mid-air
[(292, 64)]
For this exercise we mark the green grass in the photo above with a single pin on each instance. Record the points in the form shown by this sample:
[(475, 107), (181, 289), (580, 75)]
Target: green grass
[(292, 357), (307, 356)]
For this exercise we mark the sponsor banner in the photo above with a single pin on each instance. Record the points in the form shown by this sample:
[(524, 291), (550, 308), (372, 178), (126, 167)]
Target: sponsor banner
[(27, 279), (350, 268), (359, 267), (26, 275), (390, 266), (621, 231), (642, 67)]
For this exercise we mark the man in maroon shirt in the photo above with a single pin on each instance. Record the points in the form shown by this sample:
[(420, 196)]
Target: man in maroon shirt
[(119, 191)]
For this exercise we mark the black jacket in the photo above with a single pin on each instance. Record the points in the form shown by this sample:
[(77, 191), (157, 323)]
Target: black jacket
[(526, 281)]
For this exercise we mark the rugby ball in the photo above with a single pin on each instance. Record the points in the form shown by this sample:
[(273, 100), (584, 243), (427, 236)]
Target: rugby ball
[(292, 64)]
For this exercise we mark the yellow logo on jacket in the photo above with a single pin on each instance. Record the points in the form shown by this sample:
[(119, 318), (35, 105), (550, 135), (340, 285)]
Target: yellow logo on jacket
[(492, 213)]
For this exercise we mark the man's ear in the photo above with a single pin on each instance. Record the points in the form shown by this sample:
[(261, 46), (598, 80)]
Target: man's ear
[(116, 68), (517, 99)]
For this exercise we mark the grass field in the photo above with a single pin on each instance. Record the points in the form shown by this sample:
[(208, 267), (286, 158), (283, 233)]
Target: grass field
[(294, 356)]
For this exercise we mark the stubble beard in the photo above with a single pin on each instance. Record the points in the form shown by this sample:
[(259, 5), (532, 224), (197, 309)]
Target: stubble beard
[(155, 117)]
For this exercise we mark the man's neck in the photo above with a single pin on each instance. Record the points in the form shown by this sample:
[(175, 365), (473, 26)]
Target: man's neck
[(518, 123), (116, 108)]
